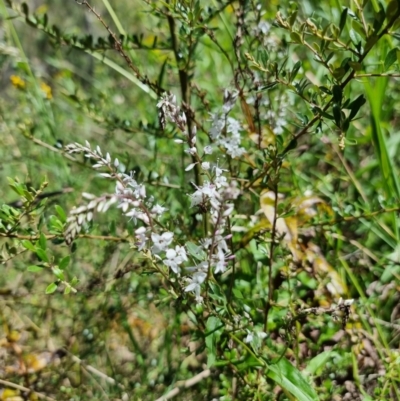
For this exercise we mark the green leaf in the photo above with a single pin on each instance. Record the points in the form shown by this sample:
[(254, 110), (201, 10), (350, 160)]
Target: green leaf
[(296, 37), (325, 90), (291, 380), (337, 113), (74, 281), (355, 106), (64, 262), (67, 290), (61, 213), (34, 268), (355, 37), (337, 93), (355, 66), (28, 245), (376, 98), (42, 255), (237, 293), (294, 71), (58, 273), (51, 288), (343, 18), (319, 361), (196, 251), (292, 18), (391, 58), (339, 72), (212, 326), (43, 241), (392, 9)]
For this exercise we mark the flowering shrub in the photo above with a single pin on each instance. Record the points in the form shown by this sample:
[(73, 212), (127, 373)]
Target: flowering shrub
[(228, 214)]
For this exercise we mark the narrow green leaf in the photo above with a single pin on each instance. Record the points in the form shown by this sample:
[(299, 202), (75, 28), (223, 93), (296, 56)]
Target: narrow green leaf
[(337, 93), (51, 288), (28, 245), (43, 241), (337, 113), (196, 251), (294, 71), (296, 37), (291, 379), (74, 281), (355, 106), (61, 213), (355, 37), (292, 18), (64, 262), (392, 9), (355, 66), (42, 255), (58, 273), (34, 268), (391, 58), (343, 18), (319, 361), (212, 335), (376, 95)]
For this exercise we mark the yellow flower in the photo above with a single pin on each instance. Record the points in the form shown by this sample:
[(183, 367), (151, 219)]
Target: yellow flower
[(18, 82), (46, 90)]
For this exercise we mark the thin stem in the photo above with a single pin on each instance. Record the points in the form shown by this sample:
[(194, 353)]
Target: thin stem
[(271, 260)]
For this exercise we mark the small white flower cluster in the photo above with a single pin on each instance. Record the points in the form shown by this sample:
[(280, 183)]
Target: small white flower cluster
[(130, 195), (84, 214), (168, 110), (232, 140), (215, 196), (133, 201), (95, 154)]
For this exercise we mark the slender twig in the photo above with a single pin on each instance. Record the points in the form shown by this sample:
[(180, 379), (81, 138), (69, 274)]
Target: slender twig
[(53, 236), (342, 219), (26, 389), (378, 75), (271, 259), (185, 384), (118, 46), (96, 372)]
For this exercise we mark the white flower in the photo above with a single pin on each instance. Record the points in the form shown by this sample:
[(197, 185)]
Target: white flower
[(221, 181), (220, 260), (194, 284), (217, 125), (161, 242), (207, 192), (138, 214), (175, 257), (192, 151), (208, 150), (158, 209), (190, 166), (249, 338), (141, 238), (233, 126), (197, 198)]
